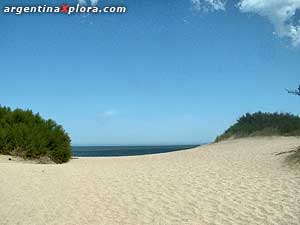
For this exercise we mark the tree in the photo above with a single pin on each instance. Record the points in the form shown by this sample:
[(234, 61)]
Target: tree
[(28, 135), (263, 124), (294, 92), (296, 155)]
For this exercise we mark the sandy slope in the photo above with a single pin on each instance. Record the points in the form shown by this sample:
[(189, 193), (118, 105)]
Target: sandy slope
[(234, 182)]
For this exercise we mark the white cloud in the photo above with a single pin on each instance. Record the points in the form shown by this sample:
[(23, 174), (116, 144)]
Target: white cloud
[(94, 2), (209, 5), (82, 2), (85, 2), (281, 14), (108, 113)]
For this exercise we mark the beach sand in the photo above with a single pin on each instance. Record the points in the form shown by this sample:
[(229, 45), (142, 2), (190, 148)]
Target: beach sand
[(236, 182)]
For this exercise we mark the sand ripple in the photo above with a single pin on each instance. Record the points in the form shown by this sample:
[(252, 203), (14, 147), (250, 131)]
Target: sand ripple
[(235, 182)]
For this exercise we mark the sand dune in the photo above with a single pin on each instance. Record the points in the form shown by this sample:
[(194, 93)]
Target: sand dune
[(232, 182)]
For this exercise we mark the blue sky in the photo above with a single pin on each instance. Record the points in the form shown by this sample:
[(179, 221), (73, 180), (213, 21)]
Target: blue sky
[(166, 72)]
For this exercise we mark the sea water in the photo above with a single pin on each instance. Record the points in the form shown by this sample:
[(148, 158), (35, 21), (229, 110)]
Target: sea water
[(109, 151)]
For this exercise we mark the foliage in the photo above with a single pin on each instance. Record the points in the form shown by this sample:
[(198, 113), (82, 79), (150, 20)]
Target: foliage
[(263, 124), (296, 155), (28, 135)]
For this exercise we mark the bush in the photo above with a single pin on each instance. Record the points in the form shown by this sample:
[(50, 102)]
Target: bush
[(28, 135), (263, 124)]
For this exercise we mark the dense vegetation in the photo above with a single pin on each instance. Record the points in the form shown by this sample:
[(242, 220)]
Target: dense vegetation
[(28, 135), (263, 124)]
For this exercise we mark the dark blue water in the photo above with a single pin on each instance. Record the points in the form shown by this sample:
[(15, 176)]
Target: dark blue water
[(109, 151)]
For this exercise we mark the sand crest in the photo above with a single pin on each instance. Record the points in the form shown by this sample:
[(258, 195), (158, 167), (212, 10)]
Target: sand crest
[(232, 182)]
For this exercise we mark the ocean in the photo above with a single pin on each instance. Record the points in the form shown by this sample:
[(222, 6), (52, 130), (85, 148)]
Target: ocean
[(110, 151)]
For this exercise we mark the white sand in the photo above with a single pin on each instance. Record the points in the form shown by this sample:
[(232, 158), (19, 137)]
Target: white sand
[(233, 182)]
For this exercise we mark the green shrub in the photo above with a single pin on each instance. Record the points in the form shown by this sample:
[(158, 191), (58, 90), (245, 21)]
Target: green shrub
[(28, 135), (263, 124)]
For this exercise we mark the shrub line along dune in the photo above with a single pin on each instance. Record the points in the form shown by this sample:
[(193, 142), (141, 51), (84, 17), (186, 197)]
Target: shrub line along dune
[(265, 124), (28, 135)]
